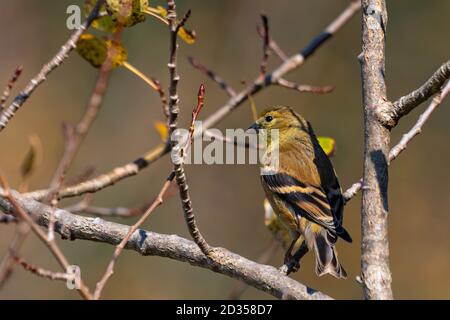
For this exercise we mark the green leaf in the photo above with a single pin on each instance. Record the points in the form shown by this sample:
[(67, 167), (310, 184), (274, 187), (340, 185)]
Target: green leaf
[(328, 145), (135, 16), (95, 50)]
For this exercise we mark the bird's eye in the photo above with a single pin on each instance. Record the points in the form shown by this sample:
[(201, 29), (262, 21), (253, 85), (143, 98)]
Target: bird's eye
[(269, 118)]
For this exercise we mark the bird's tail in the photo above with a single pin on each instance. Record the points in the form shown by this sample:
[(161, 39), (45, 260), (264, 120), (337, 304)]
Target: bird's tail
[(326, 256)]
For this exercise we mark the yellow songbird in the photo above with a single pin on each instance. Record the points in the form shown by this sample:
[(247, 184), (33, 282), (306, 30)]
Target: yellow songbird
[(303, 189)]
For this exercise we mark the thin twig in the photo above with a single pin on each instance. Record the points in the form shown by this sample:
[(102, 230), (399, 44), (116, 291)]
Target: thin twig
[(108, 179), (162, 96), (304, 87), (84, 207), (262, 277), (56, 61), (272, 44), (41, 272), (9, 87), (177, 149), (119, 248), (266, 45), (212, 75)]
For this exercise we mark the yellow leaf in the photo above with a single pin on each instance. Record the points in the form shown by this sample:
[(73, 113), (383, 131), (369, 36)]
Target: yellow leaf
[(162, 130), (160, 13), (188, 36), (92, 49), (95, 50), (328, 145), (119, 53)]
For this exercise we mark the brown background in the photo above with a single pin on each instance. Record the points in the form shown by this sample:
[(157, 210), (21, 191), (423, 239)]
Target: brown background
[(228, 199)]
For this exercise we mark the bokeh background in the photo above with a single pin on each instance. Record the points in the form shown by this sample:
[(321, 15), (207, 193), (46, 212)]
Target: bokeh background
[(228, 199)]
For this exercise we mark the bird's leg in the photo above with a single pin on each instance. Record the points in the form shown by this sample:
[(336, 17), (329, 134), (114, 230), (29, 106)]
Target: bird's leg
[(290, 263), (298, 255)]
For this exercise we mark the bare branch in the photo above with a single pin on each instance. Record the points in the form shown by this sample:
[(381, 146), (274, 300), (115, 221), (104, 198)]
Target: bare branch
[(9, 87), (262, 277), (376, 274), (40, 271), (272, 44), (392, 113), (84, 206), (56, 61), (107, 179), (266, 45), (212, 75), (304, 87), (162, 96)]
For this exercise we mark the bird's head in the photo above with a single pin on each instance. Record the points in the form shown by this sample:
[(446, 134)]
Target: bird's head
[(282, 118)]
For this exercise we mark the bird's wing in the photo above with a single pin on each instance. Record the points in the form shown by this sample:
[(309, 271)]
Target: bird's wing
[(308, 201)]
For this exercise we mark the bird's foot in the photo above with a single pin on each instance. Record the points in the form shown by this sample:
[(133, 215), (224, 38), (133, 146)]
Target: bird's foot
[(290, 265)]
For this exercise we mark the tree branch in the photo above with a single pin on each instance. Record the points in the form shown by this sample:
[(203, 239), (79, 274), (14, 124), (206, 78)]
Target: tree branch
[(9, 87), (212, 75), (376, 274), (391, 114), (262, 277)]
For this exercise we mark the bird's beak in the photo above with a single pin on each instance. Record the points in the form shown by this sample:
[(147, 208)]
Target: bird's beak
[(256, 126)]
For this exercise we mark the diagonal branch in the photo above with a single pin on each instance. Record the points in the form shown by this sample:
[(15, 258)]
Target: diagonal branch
[(304, 87), (56, 61), (40, 271), (9, 87), (392, 113), (262, 277), (212, 75)]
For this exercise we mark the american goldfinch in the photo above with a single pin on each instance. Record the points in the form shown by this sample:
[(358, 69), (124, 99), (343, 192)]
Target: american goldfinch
[(303, 189)]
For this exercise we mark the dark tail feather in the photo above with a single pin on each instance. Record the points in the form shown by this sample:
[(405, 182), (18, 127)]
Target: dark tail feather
[(341, 232), (326, 257)]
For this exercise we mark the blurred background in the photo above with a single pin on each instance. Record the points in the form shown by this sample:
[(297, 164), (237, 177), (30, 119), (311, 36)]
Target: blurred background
[(228, 199)]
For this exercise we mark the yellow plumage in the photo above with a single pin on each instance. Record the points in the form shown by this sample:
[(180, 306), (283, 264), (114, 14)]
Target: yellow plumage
[(303, 190)]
